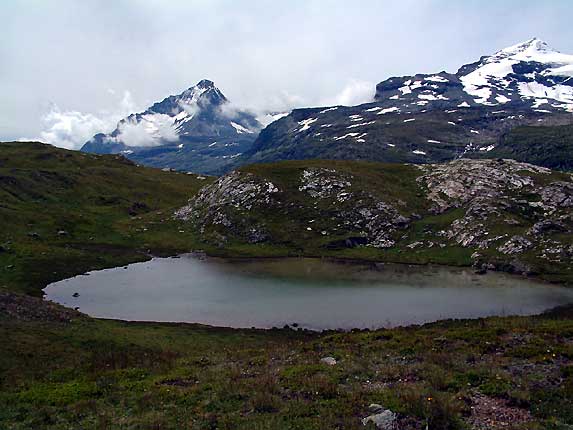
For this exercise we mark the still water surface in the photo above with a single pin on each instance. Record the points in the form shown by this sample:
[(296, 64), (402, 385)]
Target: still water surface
[(315, 294)]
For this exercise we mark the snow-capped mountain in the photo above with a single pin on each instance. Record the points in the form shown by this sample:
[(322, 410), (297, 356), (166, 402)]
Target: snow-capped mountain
[(529, 74), (196, 130), (433, 117)]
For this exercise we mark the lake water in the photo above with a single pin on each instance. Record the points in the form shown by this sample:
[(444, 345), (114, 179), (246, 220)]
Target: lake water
[(313, 293)]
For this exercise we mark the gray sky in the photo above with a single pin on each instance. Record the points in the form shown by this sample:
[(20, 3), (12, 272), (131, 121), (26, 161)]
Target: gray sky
[(70, 68)]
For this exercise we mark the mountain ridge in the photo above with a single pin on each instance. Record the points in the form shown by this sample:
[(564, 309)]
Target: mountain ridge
[(436, 117), (420, 118)]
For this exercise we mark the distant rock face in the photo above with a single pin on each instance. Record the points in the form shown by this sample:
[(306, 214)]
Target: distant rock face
[(196, 130), (510, 214), (431, 118)]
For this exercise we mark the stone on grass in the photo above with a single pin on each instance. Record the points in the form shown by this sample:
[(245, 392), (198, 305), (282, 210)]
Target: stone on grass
[(385, 420), (330, 361), (375, 408)]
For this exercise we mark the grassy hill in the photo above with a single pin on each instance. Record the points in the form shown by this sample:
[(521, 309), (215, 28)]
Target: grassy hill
[(65, 212)]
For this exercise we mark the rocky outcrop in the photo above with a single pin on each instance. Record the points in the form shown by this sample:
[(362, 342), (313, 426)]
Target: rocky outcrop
[(227, 202), (515, 245), (490, 190), (476, 183), (514, 216), (233, 205)]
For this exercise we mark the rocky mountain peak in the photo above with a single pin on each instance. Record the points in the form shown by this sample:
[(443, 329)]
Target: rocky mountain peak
[(532, 50), (205, 91), (530, 46), (205, 83), (194, 130), (434, 117)]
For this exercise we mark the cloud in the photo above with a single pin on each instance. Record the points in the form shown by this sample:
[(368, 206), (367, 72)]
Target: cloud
[(191, 108), (354, 93), (231, 110), (70, 129), (272, 108), (150, 130)]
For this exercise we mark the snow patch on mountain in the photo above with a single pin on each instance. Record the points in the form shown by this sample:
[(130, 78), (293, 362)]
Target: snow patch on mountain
[(240, 129), (306, 124), (500, 72)]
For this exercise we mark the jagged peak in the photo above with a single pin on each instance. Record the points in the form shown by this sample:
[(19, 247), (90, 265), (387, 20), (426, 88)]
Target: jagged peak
[(531, 45), (193, 94), (205, 83), (533, 49)]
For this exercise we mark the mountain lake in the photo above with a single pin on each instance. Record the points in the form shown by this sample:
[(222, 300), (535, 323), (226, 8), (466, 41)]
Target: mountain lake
[(316, 294)]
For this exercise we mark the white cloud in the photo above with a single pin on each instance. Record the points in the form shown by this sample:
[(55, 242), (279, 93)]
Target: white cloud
[(230, 110), (191, 108), (354, 93), (70, 129), (151, 130)]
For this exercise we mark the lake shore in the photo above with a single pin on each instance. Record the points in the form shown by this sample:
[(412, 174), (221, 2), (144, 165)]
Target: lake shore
[(170, 375)]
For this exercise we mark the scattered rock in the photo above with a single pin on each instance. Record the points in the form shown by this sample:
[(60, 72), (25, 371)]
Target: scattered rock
[(329, 361), (375, 408), (547, 226), (326, 183), (515, 245), (415, 245), (385, 420)]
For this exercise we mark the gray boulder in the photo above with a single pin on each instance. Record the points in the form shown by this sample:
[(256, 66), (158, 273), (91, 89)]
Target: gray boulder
[(385, 420)]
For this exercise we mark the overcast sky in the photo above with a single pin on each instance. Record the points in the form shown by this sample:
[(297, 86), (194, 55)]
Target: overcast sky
[(71, 68)]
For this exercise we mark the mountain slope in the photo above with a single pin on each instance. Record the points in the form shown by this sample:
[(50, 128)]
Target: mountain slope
[(545, 146), (65, 212), (433, 117), (197, 130), (498, 214)]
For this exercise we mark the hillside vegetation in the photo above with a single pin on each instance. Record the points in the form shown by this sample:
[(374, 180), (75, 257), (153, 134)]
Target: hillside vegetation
[(545, 146), (65, 212)]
